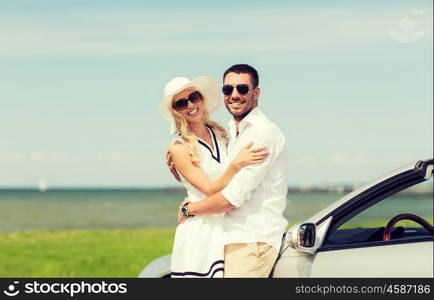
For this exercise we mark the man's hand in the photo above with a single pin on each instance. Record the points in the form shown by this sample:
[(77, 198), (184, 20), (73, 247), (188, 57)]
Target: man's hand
[(181, 218), (171, 166)]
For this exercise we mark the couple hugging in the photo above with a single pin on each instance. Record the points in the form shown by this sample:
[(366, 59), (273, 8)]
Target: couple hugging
[(231, 224)]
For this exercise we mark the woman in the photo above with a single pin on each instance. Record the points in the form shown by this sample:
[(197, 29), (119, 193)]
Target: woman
[(198, 154)]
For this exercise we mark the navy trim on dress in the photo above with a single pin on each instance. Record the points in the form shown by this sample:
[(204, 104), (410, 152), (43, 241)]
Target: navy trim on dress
[(216, 271), (214, 264), (215, 143)]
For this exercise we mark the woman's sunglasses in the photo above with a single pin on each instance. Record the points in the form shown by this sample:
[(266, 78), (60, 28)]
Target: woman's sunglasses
[(182, 104), (241, 88)]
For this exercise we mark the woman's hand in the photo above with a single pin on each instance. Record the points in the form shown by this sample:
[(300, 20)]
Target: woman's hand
[(248, 156)]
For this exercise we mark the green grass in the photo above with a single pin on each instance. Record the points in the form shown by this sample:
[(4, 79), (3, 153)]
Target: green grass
[(93, 253), (82, 253)]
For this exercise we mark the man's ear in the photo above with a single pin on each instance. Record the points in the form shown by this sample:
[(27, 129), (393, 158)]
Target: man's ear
[(256, 93)]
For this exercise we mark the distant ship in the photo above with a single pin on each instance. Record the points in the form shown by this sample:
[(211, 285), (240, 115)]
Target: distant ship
[(42, 185)]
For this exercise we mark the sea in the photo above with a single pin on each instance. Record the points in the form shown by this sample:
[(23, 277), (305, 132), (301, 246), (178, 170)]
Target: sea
[(65, 209)]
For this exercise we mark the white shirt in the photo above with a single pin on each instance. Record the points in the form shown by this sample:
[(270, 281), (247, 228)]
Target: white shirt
[(258, 191)]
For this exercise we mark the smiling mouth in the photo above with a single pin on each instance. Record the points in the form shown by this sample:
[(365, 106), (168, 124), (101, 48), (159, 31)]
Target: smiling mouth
[(193, 112), (236, 104)]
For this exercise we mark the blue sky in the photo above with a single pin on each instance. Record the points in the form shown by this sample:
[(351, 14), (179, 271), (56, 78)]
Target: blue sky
[(350, 84)]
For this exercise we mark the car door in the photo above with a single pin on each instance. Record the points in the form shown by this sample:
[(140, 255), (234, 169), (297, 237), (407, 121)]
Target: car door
[(355, 246), (384, 260)]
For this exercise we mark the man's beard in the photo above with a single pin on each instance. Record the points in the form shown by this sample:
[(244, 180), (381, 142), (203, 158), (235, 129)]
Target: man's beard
[(239, 115)]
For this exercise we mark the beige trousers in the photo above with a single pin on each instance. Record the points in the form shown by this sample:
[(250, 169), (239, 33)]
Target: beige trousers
[(249, 260)]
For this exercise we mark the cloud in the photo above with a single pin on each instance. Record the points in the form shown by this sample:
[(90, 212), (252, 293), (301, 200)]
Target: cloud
[(112, 157), (127, 33), (304, 159), (41, 156), (15, 156), (347, 159), (350, 159), (330, 160)]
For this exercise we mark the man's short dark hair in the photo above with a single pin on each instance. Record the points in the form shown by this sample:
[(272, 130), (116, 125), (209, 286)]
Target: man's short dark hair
[(243, 68)]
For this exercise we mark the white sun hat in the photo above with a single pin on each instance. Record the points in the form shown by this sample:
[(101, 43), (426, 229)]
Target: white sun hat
[(206, 85)]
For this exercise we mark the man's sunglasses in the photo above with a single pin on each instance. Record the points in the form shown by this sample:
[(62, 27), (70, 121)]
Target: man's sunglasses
[(182, 104), (241, 88)]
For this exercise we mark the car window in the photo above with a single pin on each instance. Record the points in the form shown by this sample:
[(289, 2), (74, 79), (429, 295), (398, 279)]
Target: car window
[(369, 225), (417, 200)]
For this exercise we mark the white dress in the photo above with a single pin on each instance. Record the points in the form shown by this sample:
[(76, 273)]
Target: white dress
[(198, 245)]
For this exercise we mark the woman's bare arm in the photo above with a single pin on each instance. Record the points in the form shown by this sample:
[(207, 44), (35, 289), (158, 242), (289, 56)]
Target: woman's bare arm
[(197, 177)]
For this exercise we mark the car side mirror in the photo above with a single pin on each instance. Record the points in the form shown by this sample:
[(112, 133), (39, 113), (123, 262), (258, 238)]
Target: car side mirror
[(306, 235)]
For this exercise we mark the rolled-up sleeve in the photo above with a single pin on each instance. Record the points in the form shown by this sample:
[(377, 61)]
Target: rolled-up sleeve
[(248, 178)]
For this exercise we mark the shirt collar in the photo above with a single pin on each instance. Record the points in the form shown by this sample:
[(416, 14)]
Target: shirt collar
[(249, 119)]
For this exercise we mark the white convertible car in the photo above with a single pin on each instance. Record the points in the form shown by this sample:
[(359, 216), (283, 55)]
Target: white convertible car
[(338, 241)]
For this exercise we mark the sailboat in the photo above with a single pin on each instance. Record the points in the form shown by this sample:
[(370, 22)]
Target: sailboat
[(42, 185)]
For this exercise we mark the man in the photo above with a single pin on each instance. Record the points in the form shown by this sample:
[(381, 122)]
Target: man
[(255, 198)]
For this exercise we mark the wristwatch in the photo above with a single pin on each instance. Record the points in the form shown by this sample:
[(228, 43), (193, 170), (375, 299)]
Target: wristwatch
[(184, 210)]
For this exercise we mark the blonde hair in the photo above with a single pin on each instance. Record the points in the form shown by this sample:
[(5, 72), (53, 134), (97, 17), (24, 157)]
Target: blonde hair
[(190, 139)]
